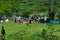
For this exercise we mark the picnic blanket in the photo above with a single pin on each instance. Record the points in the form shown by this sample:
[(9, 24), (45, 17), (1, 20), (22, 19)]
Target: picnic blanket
[(55, 21)]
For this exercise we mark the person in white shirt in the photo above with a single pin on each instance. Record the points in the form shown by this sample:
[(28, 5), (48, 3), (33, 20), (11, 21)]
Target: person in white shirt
[(1, 21), (45, 19), (7, 20)]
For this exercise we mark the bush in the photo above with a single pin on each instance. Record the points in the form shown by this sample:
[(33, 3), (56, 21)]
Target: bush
[(58, 16)]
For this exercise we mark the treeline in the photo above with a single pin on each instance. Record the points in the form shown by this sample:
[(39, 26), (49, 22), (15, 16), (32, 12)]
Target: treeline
[(20, 7)]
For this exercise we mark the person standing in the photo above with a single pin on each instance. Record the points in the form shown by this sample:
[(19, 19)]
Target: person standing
[(14, 18), (3, 33), (39, 17), (30, 20), (45, 19)]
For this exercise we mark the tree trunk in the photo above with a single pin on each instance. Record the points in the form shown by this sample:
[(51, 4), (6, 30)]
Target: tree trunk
[(51, 11)]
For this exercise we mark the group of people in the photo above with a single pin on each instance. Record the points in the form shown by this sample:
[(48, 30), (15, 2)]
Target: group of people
[(3, 19), (43, 19), (29, 20), (17, 19), (37, 18), (40, 19)]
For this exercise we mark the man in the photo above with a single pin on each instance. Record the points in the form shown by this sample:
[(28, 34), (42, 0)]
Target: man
[(45, 19), (3, 33), (14, 19), (30, 20)]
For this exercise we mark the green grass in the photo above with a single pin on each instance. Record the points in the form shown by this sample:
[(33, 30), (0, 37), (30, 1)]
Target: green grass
[(15, 28), (11, 27)]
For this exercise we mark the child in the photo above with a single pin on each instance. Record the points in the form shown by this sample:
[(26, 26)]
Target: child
[(3, 33)]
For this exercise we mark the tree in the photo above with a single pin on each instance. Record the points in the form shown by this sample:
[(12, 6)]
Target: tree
[(51, 9)]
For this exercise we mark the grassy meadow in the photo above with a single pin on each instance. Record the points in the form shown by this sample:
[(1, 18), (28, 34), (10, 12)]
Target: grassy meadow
[(13, 30)]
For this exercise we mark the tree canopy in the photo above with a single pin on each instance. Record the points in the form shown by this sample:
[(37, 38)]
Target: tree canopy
[(29, 6)]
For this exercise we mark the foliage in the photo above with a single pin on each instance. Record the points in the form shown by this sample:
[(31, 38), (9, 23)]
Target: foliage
[(58, 16), (28, 6)]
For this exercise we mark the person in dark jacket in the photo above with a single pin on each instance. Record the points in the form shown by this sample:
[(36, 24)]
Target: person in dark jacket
[(3, 33)]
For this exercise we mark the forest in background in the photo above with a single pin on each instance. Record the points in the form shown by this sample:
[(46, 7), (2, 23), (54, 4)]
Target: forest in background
[(22, 7)]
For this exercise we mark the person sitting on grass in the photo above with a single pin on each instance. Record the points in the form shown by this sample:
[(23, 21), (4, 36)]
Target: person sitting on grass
[(3, 33)]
